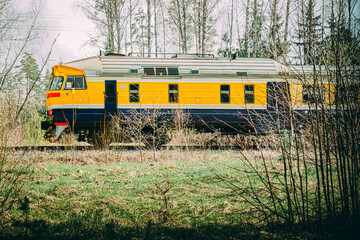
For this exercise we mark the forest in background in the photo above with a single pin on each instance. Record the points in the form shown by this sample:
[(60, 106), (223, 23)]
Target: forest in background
[(288, 31), (283, 30)]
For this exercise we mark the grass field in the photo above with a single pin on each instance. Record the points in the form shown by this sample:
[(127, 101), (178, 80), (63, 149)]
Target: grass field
[(137, 195)]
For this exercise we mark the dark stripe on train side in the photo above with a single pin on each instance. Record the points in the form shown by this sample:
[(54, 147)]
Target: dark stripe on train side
[(88, 118)]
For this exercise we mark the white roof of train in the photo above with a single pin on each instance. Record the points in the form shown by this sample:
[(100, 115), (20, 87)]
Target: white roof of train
[(122, 65)]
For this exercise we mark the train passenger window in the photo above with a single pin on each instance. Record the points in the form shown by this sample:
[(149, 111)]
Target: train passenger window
[(149, 71), (161, 71), (173, 71), (225, 93), (313, 94), (134, 93), (249, 94), (173, 93), (77, 82), (56, 83)]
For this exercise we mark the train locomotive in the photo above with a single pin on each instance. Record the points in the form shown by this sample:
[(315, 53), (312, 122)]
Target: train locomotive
[(230, 94)]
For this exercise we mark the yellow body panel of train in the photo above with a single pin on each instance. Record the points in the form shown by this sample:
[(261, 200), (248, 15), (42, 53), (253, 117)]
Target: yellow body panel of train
[(156, 93)]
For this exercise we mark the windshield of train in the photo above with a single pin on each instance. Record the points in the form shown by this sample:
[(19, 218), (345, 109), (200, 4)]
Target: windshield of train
[(56, 83)]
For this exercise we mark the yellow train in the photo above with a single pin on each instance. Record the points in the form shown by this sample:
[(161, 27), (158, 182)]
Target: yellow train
[(218, 92)]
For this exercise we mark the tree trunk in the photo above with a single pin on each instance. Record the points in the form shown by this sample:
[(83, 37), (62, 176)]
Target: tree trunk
[(178, 8), (130, 25), (231, 24), (164, 32), (273, 31), (118, 33), (349, 14), (287, 14), (203, 26), (247, 29), (155, 29), (184, 48), (254, 29), (110, 26), (196, 26), (142, 38), (148, 2)]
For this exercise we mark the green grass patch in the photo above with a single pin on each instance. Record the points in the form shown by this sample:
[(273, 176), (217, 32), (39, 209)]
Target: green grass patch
[(117, 195)]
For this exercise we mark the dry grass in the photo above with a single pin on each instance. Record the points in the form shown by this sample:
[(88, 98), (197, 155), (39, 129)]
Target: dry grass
[(101, 157)]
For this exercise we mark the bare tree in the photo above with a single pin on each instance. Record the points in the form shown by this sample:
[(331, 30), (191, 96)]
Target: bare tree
[(148, 15), (247, 28), (164, 29), (179, 14), (231, 23), (254, 28), (273, 30), (14, 43), (131, 8), (206, 22), (315, 176), (155, 27), (286, 30), (110, 16)]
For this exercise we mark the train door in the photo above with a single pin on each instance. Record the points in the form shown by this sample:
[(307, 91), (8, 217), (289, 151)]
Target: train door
[(277, 96), (110, 99)]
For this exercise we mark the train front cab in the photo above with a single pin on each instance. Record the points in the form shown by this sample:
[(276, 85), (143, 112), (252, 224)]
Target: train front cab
[(66, 98)]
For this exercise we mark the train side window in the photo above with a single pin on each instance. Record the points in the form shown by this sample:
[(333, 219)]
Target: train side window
[(225, 93), (173, 71), (56, 83), (249, 94), (149, 71), (77, 82), (173, 93), (313, 94), (161, 71), (80, 82), (134, 93)]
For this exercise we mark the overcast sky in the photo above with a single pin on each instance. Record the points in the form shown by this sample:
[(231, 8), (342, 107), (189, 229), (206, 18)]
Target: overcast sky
[(62, 17)]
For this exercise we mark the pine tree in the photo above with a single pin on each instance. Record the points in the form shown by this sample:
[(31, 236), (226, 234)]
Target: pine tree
[(275, 45), (30, 70), (309, 31), (257, 43), (139, 30)]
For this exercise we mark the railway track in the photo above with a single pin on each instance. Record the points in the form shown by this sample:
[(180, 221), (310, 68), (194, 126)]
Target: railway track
[(125, 147)]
